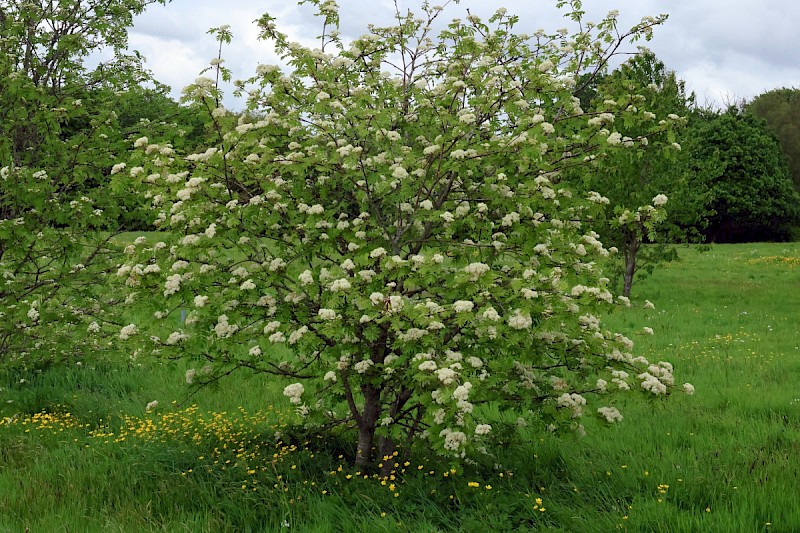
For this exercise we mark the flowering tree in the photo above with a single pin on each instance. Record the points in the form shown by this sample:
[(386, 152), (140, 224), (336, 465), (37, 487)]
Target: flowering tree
[(386, 230)]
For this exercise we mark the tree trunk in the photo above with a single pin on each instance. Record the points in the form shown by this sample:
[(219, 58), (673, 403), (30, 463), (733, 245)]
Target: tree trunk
[(631, 249), (366, 425)]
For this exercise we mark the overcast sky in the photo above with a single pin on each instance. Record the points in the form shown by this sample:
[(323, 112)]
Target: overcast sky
[(725, 50)]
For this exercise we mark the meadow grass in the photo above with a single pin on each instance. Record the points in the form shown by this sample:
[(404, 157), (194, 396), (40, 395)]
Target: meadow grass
[(79, 452)]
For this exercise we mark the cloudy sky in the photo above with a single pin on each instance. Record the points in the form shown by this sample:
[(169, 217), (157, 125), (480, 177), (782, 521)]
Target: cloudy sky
[(725, 50)]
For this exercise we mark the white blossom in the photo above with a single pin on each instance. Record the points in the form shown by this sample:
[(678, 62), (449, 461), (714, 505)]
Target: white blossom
[(659, 200), (294, 392), (341, 284), (519, 320), (463, 306), (128, 331), (326, 314), (475, 270), (483, 429), (611, 414)]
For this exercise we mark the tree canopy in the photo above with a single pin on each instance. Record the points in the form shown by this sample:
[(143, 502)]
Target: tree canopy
[(739, 163)]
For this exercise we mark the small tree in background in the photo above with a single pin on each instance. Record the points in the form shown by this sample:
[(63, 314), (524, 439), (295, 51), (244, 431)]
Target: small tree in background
[(386, 230), (639, 182)]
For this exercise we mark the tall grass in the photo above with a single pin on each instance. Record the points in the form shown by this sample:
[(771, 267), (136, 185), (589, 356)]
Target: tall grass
[(78, 451)]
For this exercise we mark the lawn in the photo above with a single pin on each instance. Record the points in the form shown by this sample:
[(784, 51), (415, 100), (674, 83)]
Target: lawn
[(79, 451)]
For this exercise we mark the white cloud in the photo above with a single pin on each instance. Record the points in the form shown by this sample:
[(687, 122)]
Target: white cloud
[(721, 48)]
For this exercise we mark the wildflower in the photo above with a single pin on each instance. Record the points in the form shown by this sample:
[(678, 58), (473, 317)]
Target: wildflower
[(152, 405), (688, 388)]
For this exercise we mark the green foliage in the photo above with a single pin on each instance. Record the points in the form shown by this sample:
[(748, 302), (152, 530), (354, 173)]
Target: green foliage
[(56, 143), (739, 163), (391, 237), (781, 109)]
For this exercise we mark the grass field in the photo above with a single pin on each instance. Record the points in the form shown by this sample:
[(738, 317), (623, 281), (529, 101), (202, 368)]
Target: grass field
[(78, 451)]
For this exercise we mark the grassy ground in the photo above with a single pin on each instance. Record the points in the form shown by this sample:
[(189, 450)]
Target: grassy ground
[(78, 451)]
